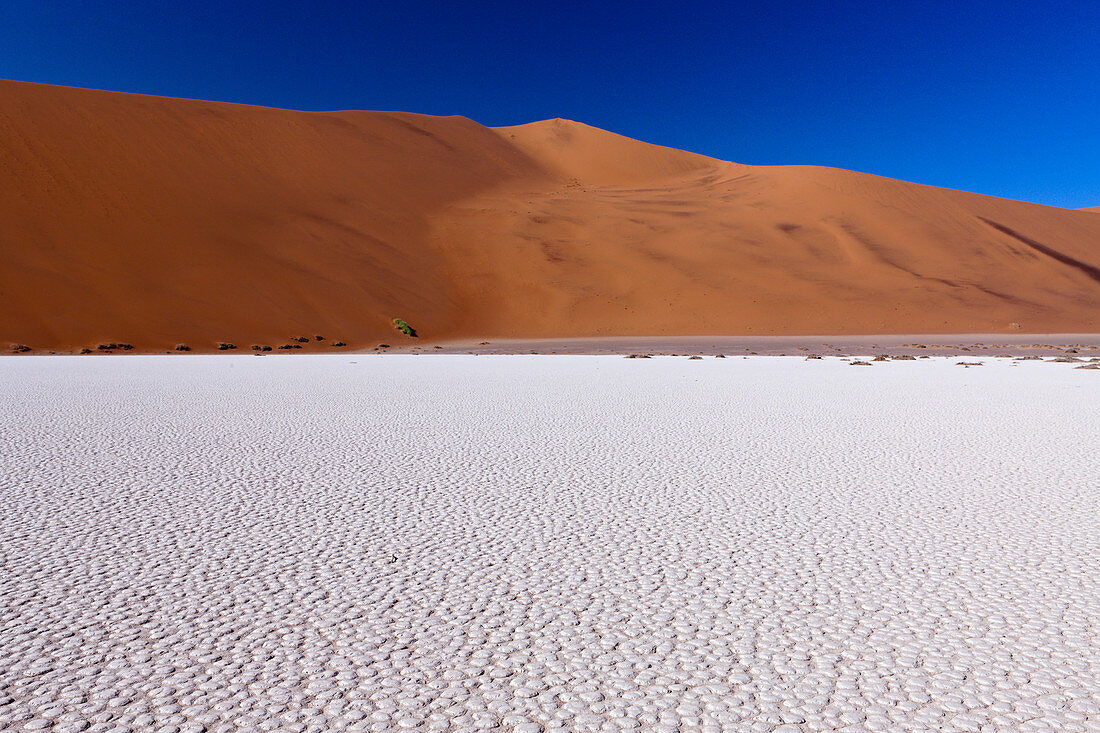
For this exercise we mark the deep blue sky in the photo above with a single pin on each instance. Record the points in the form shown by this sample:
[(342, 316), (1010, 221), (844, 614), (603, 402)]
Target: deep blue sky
[(1000, 97)]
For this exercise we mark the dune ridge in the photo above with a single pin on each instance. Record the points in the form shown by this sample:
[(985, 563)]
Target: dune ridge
[(155, 221)]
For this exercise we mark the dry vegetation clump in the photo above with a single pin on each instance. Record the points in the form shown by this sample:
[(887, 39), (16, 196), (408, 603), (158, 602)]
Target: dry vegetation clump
[(338, 343), (20, 348), (860, 363), (182, 347)]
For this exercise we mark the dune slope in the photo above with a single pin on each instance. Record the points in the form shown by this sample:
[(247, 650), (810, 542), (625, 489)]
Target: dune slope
[(156, 221)]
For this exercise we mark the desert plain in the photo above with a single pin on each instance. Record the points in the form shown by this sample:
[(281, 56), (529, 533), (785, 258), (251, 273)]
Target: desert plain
[(583, 543)]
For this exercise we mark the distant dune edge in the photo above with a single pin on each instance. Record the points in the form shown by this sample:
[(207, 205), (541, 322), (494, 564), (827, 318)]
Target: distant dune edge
[(154, 222)]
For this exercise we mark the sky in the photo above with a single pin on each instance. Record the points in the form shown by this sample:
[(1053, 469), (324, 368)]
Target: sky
[(999, 97)]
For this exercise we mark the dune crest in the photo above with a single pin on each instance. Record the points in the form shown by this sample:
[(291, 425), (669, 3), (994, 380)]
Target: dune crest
[(156, 221)]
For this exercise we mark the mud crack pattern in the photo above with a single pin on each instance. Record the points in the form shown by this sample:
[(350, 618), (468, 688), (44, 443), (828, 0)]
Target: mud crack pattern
[(526, 543)]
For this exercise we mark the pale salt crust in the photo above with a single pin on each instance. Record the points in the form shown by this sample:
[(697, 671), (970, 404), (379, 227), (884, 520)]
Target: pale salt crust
[(591, 543)]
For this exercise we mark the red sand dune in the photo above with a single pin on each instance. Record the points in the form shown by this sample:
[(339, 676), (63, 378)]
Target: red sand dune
[(155, 221)]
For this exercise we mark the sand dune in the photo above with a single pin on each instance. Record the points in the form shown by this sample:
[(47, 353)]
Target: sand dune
[(156, 221)]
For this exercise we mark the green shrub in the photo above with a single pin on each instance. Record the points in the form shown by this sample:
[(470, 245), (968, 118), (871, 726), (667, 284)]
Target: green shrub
[(403, 327)]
